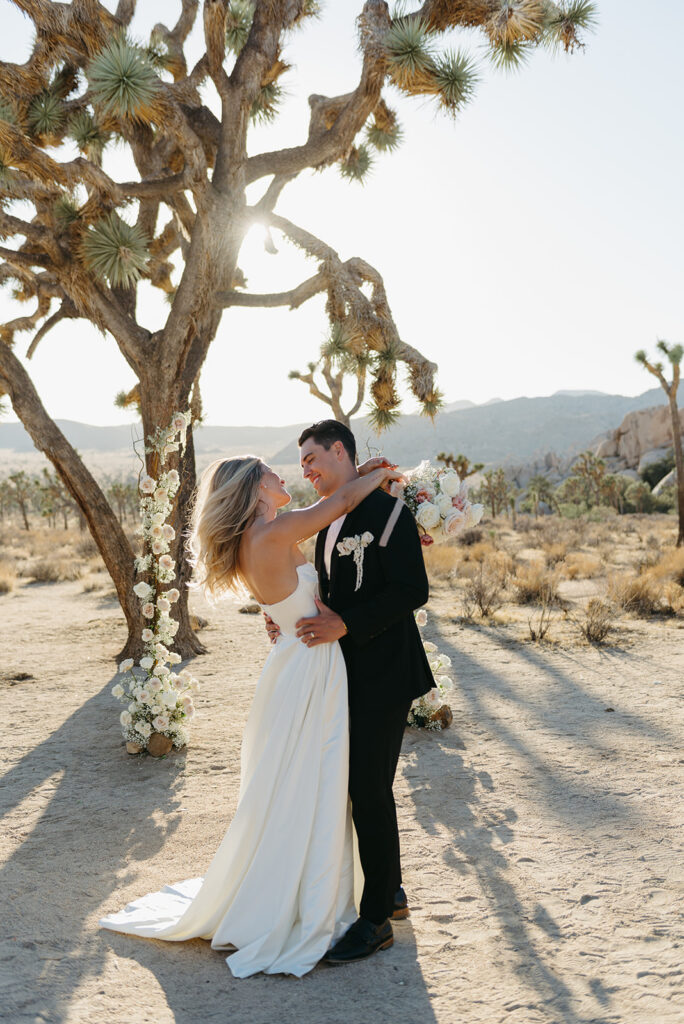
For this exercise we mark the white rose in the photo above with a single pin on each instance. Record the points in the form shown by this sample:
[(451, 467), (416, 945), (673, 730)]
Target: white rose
[(148, 484), (118, 690), (147, 636), (174, 658), (144, 696), (474, 514), (433, 699), (157, 531), (173, 627), (155, 685), (366, 538), (147, 662), (454, 522), (172, 595), (126, 719), (169, 699), (162, 671), (189, 713), (445, 682), (421, 617), (166, 562), (429, 647), (158, 518), (195, 686), (173, 477), (132, 707), (161, 495), (161, 722), (444, 505), (161, 649), (143, 591), (169, 532), (178, 423), (163, 605), (158, 547), (427, 515), (144, 728), (450, 482), (126, 665), (148, 610), (444, 661)]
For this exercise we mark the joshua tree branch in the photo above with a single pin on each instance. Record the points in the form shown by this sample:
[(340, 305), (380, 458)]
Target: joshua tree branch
[(25, 259), (66, 311), (294, 298)]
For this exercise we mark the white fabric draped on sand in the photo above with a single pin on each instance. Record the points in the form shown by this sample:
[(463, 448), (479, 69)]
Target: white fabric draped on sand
[(280, 889)]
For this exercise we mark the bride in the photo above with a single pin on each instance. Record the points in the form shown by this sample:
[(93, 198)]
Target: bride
[(279, 891)]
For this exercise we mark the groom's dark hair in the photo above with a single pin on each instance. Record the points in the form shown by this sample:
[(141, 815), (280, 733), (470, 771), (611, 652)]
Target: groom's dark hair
[(326, 432)]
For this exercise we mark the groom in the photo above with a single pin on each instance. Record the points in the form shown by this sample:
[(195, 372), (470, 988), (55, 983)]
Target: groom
[(369, 609)]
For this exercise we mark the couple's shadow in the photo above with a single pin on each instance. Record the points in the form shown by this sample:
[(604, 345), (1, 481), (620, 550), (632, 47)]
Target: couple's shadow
[(198, 985)]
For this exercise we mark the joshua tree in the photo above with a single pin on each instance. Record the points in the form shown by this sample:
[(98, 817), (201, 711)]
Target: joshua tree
[(540, 489), (22, 490), (89, 240), (496, 490), (674, 354), (337, 361), (461, 463)]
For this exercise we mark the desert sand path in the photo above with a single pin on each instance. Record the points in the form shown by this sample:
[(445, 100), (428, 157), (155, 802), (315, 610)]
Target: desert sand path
[(541, 834)]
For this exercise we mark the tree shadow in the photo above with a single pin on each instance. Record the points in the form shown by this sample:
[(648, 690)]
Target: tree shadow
[(52, 880)]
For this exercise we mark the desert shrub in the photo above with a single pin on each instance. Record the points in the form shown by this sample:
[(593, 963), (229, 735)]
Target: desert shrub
[(599, 619), (87, 548), (485, 590), (534, 584), (539, 628), (581, 566), (479, 552), (470, 537), (555, 552), (55, 570), (646, 594), (655, 471), (440, 561), (670, 566), (652, 542), (8, 577)]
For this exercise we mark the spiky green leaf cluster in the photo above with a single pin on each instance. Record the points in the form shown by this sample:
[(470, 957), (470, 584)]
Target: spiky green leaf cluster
[(65, 212), (46, 114), (265, 106), (410, 53), (384, 139), (335, 346), (238, 24), (122, 79), (357, 164), (387, 357), (294, 375), (431, 406), (456, 76), (510, 56), (382, 419), (115, 251), (88, 135), (564, 19), (673, 352)]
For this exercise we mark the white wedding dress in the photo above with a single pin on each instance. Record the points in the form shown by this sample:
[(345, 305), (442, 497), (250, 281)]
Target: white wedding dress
[(280, 889)]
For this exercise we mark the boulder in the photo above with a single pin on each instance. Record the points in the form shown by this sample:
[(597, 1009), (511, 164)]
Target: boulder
[(644, 431), (654, 455)]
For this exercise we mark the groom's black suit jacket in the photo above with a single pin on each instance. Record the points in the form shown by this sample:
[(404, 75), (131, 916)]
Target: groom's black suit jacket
[(383, 651)]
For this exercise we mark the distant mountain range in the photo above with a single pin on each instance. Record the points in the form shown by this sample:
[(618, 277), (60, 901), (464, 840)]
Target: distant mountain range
[(496, 433)]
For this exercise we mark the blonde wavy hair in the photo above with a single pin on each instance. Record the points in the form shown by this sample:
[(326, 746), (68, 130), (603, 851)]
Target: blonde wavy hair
[(225, 504)]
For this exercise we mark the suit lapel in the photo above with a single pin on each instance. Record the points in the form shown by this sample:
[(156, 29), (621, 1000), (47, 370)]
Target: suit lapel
[(347, 530), (319, 562)]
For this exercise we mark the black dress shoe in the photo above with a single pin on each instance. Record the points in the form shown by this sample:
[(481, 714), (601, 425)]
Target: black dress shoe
[(363, 939), (401, 907)]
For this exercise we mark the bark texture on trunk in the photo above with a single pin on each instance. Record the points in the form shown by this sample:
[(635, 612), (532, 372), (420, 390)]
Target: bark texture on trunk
[(679, 462)]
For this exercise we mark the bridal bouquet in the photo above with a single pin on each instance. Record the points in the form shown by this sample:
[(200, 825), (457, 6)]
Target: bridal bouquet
[(159, 701), (438, 499), (432, 711)]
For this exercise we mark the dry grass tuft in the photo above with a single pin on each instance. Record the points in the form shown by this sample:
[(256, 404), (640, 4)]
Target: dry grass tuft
[(535, 584), (646, 594), (598, 621), (440, 561), (470, 537), (86, 548), (485, 590), (580, 566), (55, 570), (8, 577), (555, 553)]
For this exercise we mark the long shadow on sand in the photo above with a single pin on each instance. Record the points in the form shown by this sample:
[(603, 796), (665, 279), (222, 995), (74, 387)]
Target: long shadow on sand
[(455, 790), (133, 805)]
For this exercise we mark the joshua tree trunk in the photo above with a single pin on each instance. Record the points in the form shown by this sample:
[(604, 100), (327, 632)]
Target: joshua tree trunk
[(679, 462), (85, 490)]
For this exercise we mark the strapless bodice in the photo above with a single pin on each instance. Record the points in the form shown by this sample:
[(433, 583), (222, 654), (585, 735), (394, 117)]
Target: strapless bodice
[(297, 605)]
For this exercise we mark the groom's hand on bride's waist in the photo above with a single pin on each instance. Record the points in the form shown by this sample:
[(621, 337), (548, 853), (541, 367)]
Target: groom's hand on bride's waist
[(272, 628), (324, 628)]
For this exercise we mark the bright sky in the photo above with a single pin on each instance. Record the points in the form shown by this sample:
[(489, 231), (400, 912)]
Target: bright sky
[(532, 245)]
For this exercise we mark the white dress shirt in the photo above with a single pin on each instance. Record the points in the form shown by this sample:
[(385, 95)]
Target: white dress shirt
[(331, 536)]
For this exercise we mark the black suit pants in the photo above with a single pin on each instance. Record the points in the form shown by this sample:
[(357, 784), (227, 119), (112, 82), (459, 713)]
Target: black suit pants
[(375, 744)]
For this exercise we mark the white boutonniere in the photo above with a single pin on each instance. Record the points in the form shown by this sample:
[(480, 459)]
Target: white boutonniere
[(356, 546)]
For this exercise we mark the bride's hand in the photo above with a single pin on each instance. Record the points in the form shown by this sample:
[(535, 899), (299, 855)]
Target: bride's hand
[(387, 475), (379, 462)]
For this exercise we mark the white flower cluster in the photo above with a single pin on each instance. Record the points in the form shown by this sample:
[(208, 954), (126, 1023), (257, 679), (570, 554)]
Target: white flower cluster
[(438, 499), (423, 708), (356, 546), (159, 700)]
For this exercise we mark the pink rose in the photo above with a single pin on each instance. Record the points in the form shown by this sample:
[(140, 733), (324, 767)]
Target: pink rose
[(426, 540)]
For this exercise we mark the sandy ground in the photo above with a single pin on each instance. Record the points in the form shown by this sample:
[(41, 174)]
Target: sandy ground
[(541, 833)]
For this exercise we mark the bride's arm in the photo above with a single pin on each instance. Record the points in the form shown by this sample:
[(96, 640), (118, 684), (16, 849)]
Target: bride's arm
[(293, 527)]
